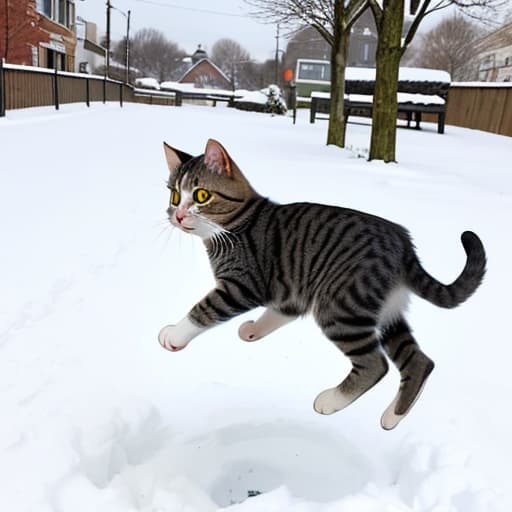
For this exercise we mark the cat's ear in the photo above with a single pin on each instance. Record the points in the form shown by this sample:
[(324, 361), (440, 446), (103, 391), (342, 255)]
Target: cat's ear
[(217, 158), (175, 157)]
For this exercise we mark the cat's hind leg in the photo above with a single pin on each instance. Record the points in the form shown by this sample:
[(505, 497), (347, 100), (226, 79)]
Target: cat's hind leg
[(360, 344), (268, 322), (414, 367)]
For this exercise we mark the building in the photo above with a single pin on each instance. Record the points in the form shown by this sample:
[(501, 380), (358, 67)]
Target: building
[(494, 56), (38, 33), (89, 54), (309, 44), (362, 46), (202, 72)]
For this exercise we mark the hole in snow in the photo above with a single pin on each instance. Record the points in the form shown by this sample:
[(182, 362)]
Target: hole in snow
[(243, 459), (148, 463)]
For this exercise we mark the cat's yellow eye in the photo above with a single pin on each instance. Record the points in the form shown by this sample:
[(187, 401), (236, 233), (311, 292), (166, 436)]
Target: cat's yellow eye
[(201, 196), (175, 197)]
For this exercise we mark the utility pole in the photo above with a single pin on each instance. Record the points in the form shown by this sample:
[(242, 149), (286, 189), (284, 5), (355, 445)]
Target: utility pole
[(277, 56), (107, 63), (128, 48)]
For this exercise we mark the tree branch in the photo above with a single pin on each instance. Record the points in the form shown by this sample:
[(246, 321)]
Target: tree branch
[(421, 13), (377, 12), (354, 10)]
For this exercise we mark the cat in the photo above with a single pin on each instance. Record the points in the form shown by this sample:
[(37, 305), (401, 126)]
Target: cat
[(353, 271)]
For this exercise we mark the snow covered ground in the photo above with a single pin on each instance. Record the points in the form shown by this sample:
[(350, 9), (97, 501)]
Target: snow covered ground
[(96, 416)]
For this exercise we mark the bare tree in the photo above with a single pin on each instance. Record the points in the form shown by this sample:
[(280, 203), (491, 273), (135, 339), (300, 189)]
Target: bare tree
[(389, 18), (153, 54), (448, 46), (235, 61), (332, 19)]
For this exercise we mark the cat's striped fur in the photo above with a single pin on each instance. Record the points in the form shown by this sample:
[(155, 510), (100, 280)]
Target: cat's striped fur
[(351, 270)]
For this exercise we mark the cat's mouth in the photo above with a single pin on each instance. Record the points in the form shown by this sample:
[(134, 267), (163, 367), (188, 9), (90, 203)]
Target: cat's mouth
[(180, 225)]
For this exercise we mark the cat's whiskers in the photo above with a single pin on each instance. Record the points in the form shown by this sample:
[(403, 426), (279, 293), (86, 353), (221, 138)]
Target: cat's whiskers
[(219, 234)]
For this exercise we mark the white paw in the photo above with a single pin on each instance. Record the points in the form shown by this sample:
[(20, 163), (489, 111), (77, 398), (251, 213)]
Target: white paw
[(389, 419), (330, 401), (168, 337), (247, 331)]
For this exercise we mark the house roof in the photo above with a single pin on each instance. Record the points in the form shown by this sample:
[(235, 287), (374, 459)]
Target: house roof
[(210, 63)]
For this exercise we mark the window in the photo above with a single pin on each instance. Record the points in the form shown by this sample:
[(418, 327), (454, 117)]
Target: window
[(315, 71), (44, 7), (63, 12), (53, 59), (70, 15), (487, 62), (366, 52)]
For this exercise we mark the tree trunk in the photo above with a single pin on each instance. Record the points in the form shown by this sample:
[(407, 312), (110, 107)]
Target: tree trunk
[(385, 108), (336, 130)]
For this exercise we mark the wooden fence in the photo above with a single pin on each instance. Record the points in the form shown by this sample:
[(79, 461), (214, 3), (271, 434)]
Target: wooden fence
[(481, 106), (23, 87)]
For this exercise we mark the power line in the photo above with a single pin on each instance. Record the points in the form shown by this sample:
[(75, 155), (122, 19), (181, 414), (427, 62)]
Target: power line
[(193, 9)]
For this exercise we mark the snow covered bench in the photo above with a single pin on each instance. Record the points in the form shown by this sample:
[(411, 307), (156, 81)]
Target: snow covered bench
[(419, 91)]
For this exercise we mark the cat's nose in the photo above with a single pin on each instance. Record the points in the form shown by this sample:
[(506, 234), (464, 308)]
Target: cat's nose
[(179, 216)]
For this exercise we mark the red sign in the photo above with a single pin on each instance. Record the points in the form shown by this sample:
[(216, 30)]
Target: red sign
[(288, 75)]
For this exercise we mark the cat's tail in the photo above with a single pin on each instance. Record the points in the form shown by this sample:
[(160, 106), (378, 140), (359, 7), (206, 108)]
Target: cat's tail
[(451, 295)]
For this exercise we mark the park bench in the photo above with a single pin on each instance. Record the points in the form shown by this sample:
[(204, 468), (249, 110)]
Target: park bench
[(420, 91)]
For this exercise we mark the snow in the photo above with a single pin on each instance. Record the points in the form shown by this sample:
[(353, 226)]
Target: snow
[(149, 92), (149, 83), (35, 69), (252, 96), (97, 416), (190, 87), (506, 85), (405, 74), (402, 97), (323, 95)]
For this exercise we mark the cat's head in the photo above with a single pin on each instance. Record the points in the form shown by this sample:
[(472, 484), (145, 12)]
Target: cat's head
[(207, 191)]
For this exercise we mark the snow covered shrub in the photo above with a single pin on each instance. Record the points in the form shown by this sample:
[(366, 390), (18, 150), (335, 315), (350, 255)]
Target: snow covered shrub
[(275, 100), (269, 100)]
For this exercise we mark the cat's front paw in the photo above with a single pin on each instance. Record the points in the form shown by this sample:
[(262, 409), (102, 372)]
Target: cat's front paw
[(168, 338)]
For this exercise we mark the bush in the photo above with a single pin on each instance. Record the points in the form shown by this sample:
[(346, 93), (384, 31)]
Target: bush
[(269, 100)]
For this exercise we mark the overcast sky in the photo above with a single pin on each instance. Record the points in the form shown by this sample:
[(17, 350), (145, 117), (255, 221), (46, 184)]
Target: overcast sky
[(193, 22), (188, 23)]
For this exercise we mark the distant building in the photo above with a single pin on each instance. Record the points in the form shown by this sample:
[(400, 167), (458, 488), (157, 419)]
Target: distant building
[(362, 43), (89, 54), (38, 33), (362, 48), (202, 72), (494, 56)]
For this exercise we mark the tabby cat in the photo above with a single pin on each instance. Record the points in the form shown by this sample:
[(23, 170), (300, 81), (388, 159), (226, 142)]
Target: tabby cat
[(353, 271)]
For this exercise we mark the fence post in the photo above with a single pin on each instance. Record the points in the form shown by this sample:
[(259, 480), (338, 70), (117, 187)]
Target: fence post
[(121, 95), (2, 89), (87, 93), (178, 99), (105, 89), (56, 89)]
